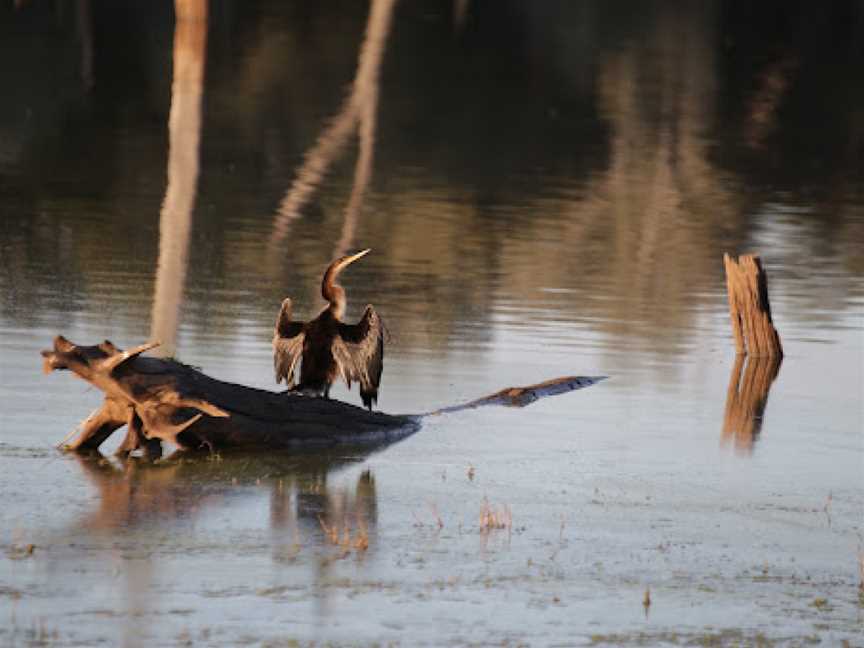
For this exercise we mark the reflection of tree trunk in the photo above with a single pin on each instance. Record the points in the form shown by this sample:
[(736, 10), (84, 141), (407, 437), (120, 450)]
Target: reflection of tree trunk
[(318, 159), (359, 108), (655, 95), (329, 517), (184, 132), (85, 34), (348, 521), (138, 575), (363, 169), (460, 15), (746, 399), (774, 84), (283, 521)]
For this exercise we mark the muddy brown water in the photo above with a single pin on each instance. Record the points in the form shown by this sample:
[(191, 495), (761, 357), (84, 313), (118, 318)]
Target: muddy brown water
[(548, 190)]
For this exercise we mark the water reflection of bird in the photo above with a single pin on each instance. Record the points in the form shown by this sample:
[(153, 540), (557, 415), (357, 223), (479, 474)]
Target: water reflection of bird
[(328, 347)]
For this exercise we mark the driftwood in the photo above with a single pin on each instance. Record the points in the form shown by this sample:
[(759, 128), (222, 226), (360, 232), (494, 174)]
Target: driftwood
[(162, 400), (749, 309)]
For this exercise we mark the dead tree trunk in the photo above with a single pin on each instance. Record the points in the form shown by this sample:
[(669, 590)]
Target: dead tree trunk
[(749, 309), (164, 400)]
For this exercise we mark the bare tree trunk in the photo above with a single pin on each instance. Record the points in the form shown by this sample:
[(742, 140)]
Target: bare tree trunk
[(749, 308)]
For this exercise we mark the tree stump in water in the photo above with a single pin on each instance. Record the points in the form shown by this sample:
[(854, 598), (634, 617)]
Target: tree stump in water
[(749, 308)]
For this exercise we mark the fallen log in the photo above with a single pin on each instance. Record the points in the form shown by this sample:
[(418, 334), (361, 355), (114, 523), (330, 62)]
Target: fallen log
[(163, 400)]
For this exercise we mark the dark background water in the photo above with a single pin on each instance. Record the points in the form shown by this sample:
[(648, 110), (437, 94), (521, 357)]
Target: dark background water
[(551, 188)]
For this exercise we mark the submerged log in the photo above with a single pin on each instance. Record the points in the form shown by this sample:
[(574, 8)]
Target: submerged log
[(162, 400), (749, 308), (524, 396)]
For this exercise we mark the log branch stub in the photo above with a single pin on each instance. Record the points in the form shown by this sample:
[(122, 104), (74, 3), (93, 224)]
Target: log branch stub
[(749, 308)]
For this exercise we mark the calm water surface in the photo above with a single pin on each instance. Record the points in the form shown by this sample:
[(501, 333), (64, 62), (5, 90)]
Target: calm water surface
[(548, 190)]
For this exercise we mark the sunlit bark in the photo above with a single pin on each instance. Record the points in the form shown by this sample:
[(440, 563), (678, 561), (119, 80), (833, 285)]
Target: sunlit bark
[(750, 307)]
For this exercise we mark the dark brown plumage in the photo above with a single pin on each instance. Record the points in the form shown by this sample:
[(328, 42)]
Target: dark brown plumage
[(328, 347)]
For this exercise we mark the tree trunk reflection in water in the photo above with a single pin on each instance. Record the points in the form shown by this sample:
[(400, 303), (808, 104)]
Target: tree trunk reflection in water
[(746, 399), (460, 15), (84, 22), (358, 111), (184, 134)]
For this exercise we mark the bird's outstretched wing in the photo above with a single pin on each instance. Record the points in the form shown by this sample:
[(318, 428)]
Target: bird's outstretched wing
[(287, 344), (359, 351)]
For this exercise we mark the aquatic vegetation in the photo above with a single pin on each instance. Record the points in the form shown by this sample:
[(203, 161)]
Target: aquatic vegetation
[(494, 518), (20, 551), (436, 516), (343, 536)]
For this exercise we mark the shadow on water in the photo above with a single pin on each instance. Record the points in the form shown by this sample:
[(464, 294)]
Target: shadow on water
[(749, 385)]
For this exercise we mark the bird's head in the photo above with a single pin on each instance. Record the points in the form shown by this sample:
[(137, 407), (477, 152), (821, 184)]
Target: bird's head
[(330, 290)]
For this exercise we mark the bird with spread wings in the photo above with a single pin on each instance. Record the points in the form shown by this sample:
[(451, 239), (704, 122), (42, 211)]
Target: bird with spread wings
[(326, 347)]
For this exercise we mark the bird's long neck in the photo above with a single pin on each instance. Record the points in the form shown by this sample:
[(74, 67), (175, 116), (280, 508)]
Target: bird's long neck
[(334, 293)]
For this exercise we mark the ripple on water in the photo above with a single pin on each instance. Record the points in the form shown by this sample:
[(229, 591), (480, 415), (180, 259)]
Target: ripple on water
[(22, 452)]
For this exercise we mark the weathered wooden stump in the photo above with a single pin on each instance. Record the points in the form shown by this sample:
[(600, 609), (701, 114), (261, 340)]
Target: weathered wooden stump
[(749, 308)]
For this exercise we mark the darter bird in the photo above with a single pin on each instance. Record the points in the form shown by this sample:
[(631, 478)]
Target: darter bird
[(329, 347)]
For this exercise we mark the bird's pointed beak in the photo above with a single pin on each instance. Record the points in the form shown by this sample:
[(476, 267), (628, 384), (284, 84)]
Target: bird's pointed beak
[(352, 258), (343, 262)]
